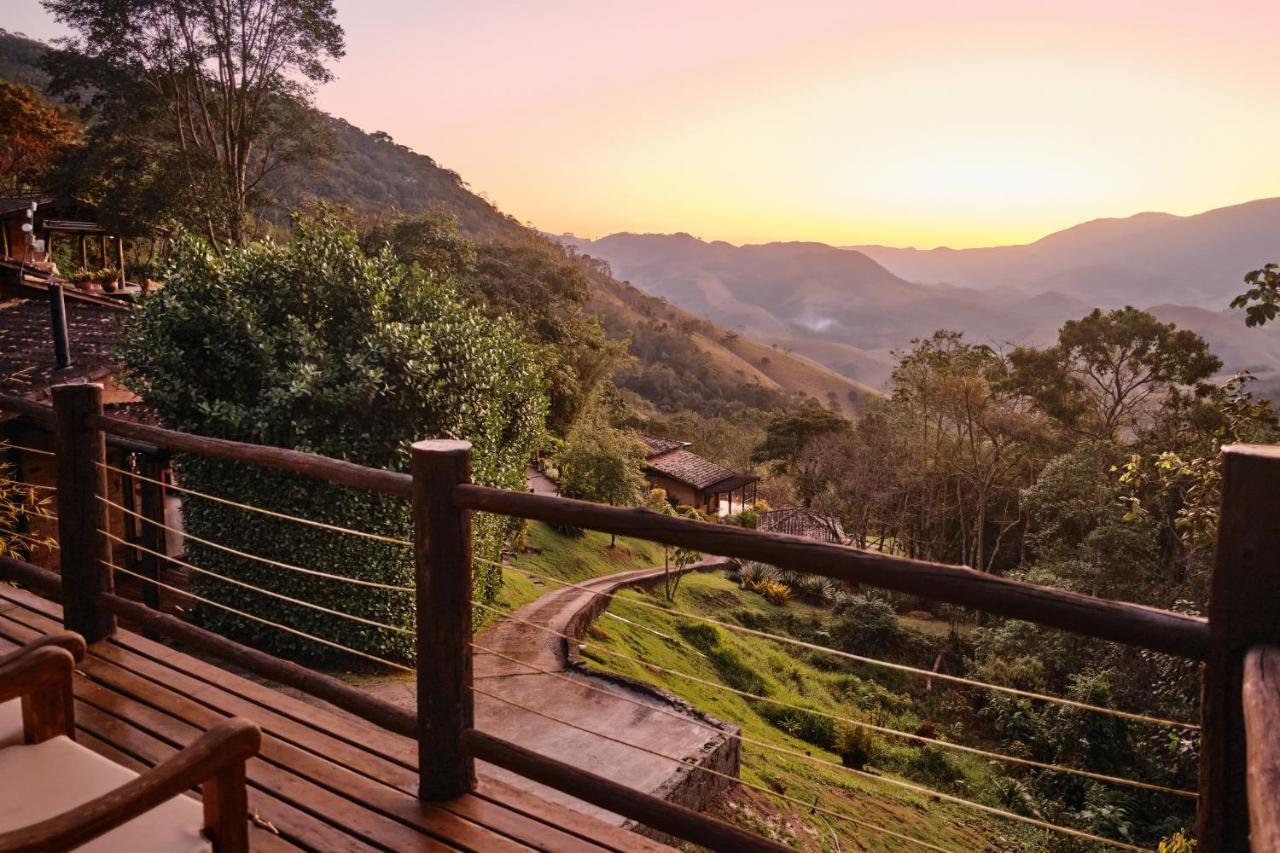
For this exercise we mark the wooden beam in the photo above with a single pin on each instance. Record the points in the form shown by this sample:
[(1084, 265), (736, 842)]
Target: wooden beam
[(81, 452), (442, 555), (1244, 600), (1261, 697), (295, 461), (331, 690), (1151, 628), (649, 810), (43, 581)]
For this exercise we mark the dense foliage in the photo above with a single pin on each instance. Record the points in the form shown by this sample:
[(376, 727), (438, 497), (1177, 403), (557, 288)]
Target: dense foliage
[(33, 135), (530, 280), (319, 347)]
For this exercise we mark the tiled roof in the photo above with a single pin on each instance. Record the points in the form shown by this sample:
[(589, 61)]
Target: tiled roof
[(800, 521), (658, 446), (26, 343), (691, 469)]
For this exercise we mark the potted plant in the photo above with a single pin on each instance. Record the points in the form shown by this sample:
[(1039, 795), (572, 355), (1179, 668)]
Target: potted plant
[(107, 278), (81, 278)]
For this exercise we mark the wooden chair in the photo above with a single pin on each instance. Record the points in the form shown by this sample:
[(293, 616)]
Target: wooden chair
[(11, 711), (58, 795)]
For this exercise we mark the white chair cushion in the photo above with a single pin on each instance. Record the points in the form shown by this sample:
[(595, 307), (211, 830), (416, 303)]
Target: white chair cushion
[(10, 723), (50, 778)]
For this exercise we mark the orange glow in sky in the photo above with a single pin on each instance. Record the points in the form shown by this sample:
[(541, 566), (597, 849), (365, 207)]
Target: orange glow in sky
[(906, 123)]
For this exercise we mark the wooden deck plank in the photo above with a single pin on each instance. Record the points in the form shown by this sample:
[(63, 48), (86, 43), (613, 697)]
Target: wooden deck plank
[(124, 736), (291, 822), (366, 736), (319, 772), (382, 808), (480, 823)]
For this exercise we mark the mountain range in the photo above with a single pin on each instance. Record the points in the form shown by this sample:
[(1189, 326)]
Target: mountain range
[(848, 307)]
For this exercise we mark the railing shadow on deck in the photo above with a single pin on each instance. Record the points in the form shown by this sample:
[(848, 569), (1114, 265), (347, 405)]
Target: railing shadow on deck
[(1239, 774)]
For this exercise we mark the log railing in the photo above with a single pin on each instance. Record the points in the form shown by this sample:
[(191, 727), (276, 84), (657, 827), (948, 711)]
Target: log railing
[(1239, 766)]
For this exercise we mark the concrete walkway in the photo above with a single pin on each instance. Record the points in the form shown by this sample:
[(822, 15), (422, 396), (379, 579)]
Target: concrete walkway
[(568, 695)]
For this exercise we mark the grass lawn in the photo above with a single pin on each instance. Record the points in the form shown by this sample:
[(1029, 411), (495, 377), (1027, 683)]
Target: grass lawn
[(781, 672)]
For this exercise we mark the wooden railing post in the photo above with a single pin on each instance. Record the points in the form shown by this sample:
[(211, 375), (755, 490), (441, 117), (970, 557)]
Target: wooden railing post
[(81, 452), (1244, 611), (442, 552)]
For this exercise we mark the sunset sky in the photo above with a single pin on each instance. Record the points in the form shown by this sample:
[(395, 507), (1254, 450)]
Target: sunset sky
[(911, 123)]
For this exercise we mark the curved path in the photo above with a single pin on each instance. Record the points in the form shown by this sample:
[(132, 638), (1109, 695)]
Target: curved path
[(571, 695)]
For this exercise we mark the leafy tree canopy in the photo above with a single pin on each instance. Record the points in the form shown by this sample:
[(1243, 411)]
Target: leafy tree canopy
[(1261, 301), (787, 434), (530, 280), (32, 136), (217, 93), (1113, 369)]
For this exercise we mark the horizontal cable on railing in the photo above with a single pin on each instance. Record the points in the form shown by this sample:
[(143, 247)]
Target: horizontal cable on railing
[(898, 667), (277, 595), (251, 508), (737, 780), (251, 617), (246, 555), (883, 730), (919, 789), (11, 446)]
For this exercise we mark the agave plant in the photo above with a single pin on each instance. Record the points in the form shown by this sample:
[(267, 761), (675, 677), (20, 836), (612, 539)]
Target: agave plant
[(752, 573), (817, 587)]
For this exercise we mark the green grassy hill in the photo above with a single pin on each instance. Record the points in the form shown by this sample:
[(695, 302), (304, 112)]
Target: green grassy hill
[(811, 680)]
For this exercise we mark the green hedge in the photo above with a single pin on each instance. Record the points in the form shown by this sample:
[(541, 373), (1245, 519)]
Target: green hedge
[(315, 346)]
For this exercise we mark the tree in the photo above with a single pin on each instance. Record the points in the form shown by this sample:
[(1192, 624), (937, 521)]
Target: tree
[(787, 435), (603, 463), (33, 135), (226, 88), (1124, 361), (318, 347), (1262, 299), (682, 557)]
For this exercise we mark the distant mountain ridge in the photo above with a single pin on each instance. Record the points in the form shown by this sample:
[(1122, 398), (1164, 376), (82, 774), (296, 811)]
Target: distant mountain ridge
[(1142, 259), (848, 307)]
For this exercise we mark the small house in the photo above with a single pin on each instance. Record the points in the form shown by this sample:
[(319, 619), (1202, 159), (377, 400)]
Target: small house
[(691, 479)]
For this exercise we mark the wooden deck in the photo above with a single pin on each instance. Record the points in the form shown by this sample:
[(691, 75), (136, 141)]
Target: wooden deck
[(323, 781)]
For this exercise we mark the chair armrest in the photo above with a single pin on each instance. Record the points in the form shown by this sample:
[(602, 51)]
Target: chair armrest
[(69, 640), (215, 759), (41, 678)]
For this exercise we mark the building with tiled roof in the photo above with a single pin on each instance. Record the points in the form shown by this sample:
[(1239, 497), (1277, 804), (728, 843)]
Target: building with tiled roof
[(691, 479), (802, 521)]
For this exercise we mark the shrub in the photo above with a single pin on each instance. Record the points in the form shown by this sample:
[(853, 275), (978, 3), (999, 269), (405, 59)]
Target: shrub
[(867, 625), (700, 635), (855, 745), (318, 347), (806, 725), (775, 593), (736, 672), (932, 764), (1177, 843)]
